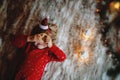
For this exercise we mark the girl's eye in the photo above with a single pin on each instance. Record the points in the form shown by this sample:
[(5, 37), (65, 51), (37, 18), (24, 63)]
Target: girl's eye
[(41, 34)]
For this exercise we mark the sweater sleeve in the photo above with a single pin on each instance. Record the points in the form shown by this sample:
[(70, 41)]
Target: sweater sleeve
[(19, 40), (56, 54)]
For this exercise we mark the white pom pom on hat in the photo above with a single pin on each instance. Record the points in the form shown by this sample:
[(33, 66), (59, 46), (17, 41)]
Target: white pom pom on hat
[(44, 24)]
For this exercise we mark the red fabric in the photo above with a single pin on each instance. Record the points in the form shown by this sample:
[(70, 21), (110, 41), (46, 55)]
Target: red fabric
[(36, 59), (19, 40)]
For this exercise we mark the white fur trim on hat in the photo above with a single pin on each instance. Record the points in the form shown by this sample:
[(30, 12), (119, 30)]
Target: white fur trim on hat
[(44, 27)]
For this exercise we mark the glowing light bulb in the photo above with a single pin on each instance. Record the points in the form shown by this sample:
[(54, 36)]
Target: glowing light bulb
[(97, 10), (117, 5)]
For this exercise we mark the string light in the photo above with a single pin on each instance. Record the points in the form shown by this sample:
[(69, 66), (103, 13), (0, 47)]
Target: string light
[(97, 10), (115, 6), (83, 51)]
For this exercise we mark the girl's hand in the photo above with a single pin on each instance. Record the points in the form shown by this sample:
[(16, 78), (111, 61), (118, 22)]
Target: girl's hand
[(30, 38), (49, 41)]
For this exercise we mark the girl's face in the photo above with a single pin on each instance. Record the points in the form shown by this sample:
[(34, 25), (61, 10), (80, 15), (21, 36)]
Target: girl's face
[(40, 40)]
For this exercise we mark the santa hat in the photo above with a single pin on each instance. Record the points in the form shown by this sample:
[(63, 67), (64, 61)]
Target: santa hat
[(44, 24)]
